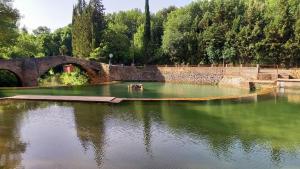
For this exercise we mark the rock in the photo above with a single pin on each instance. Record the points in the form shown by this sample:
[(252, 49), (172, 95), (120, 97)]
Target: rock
[(136, 87)]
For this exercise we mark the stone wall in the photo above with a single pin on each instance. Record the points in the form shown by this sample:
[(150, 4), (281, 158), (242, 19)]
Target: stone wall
[(231, 76), (249, 73), (196, 75), (239, 77)]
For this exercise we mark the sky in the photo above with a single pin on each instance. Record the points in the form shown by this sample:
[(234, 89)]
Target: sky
[(58, 13)]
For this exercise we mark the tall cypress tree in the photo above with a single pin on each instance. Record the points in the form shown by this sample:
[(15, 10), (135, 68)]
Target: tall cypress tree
[(147, 32)]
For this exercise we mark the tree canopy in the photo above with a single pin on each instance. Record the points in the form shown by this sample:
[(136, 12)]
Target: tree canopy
[(203, 32), (8, 23), (87, 27)]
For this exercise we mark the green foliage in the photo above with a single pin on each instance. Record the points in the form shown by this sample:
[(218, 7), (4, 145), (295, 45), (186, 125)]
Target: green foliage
[(65, 79), (26, 45), (179, 40), (39, 44), (118, 38), (203, 32), (62, 39), (115, 41), (238, 31), (147, 34), (8, 23), (87, 27)]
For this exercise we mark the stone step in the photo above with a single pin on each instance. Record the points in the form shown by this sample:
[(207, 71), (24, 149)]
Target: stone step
[(267, 76)]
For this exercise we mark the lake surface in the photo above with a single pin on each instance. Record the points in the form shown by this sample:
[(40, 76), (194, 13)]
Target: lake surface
[(151, 90), (258, 133)]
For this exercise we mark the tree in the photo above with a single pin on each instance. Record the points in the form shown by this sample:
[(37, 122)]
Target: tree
[(8, 23), (278, 31), (97, 20), (147, 33), (115, 41), (87, 27), (157, 32), (41, 30), (44, 37), (131, 22), (26, 45), (180, 39), (62, 39)]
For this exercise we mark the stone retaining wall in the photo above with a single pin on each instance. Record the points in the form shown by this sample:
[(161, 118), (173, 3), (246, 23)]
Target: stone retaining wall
[(195, 75)]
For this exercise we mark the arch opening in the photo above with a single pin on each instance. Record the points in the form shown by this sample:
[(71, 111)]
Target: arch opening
[(65, 75), (9, 79)]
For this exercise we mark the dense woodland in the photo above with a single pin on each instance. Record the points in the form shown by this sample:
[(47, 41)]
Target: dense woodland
[(203, 32)]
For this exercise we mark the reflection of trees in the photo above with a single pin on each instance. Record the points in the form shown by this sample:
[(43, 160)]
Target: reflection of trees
[(90, 124), (11, 147), (223, 124), (145, 113)]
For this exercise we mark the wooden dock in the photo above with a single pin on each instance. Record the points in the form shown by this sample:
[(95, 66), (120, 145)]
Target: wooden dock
[(289, 80), (97, 99), (199, 99), (264, 81), (66, 98)]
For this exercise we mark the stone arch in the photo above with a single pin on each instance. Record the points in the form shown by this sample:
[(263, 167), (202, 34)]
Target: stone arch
[(92, 70), (28, 70), (16, 74)]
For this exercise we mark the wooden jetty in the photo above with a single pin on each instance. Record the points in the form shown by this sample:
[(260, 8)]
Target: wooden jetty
[(66, 98)]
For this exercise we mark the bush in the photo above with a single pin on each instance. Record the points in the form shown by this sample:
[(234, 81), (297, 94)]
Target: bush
[(75, 78)]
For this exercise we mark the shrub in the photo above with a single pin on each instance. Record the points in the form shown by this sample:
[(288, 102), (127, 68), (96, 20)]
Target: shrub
[(75, 78)]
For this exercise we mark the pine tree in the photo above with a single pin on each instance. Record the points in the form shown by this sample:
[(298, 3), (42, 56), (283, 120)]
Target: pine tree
[(88, 24), (98, 21), (147, 33)]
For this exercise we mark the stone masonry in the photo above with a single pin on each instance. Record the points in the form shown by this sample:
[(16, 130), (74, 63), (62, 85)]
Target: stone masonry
[(28, 70)]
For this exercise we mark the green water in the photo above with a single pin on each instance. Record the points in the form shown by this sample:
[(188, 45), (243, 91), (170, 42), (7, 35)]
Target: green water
[(151, 90), (257, 133)]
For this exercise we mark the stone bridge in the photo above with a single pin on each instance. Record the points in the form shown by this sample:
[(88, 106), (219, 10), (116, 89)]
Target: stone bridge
[(28, 70)]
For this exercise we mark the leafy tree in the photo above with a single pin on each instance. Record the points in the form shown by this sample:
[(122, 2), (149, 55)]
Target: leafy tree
[(41, 30), (114, 41), (27, 45), (8, 23), (180, 38), (278, 32), (62, 39), (44, 37)]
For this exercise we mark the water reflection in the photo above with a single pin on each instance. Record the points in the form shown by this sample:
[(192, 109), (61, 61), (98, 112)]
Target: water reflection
[(252, 134), (11, 146), (90, 127)]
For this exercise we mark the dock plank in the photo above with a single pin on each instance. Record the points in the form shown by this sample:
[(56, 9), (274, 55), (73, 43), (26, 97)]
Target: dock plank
[(64, 98), (289, 80), (119, 100)]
